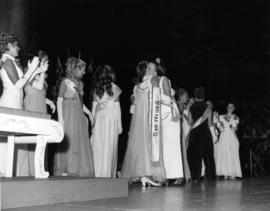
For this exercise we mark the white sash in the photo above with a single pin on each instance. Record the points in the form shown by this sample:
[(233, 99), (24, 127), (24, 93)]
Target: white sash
[(155, 121)]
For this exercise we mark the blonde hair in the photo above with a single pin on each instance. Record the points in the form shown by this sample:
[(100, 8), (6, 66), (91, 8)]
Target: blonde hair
[(73, 65)]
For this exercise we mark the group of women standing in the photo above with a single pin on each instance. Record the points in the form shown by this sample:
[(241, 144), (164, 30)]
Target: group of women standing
[(168, 141), (78, 154)]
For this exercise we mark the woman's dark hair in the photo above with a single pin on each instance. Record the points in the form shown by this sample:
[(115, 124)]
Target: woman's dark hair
[(141, 70), (199, 93), (160, 68), (103, 78), (6, 38)]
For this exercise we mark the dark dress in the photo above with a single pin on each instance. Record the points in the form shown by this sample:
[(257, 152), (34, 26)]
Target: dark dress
[(200, 146)]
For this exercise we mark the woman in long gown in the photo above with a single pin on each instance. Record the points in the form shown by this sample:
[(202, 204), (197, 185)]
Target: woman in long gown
[(200, 143), (171, 131), (74, 156), (14, 80), (138, 164), (107, 114), (227, 148), (185, 127), (35, 101)]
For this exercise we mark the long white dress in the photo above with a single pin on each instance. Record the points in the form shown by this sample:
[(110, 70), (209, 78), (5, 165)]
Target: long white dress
[(227, 148), (172, 154), (105, 133), (12, 98)]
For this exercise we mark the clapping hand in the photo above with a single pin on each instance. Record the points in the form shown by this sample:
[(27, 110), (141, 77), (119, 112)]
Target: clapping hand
[(32, 66), (43, 67)]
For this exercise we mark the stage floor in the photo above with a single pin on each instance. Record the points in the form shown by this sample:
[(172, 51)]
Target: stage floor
[(247, 194)]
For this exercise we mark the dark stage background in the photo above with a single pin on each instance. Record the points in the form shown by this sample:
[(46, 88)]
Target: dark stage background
[(220, 44)]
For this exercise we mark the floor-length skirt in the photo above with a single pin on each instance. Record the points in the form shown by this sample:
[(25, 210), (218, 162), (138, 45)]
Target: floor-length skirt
[(137, 161), (227, 155), (105, 142), (74, 155), (172, 154)]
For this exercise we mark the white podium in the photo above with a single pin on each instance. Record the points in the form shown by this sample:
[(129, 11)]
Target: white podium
[(22, 127)]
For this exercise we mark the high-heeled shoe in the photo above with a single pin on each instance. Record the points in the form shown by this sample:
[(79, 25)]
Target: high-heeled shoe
[(146, 181)]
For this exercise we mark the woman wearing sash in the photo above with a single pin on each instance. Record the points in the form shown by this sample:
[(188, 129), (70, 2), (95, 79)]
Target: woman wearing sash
[(74, 155), (200, 143), (170, 127), (107, 113), (14, 80), (143, 161)]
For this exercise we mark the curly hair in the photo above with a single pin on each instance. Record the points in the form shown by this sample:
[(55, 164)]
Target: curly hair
[(103, 78), (72, 65), (6, 38), (141, 70)]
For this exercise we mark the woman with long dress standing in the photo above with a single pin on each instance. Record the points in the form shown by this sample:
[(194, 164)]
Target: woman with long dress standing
[(14, 80), (74, 156), (138, 162), (185, 127), (171, 131), (108, 125), (227, 148), (35, 101), (200, 142)]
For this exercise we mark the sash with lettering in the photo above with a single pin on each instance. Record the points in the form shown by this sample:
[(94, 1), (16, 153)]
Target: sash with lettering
[(155, 124)]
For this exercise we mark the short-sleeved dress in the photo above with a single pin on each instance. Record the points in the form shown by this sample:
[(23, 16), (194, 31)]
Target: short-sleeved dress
[(74, 156)]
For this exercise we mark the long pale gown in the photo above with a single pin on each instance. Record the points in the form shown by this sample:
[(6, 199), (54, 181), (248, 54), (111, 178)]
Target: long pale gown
[(227, 148), (172, 154), (12, 98), (74, 155), (107, 127), (137, 162)]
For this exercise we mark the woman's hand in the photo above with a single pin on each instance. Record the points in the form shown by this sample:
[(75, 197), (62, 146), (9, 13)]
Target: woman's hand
[(175, 115), (52, 106), (43, 67), (91, 118), (32, 66)]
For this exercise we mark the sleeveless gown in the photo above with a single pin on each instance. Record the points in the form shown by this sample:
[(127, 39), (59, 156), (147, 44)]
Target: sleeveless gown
[(12, 98), (74, 154), (172, 154), (105, 134)]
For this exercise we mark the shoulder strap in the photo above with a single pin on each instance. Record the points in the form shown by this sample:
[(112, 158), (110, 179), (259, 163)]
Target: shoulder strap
[(161, 82)]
